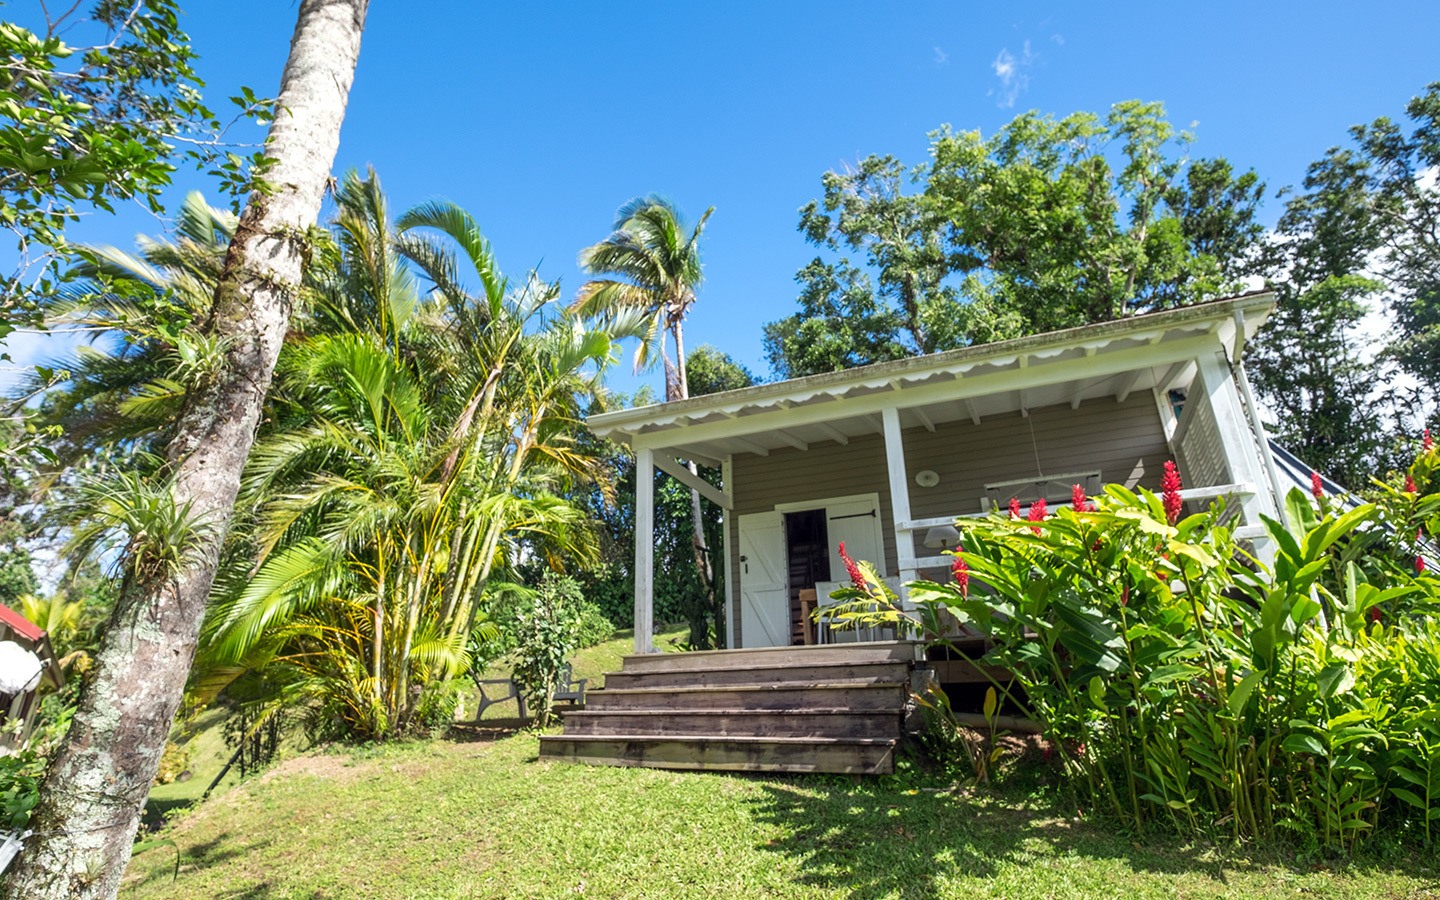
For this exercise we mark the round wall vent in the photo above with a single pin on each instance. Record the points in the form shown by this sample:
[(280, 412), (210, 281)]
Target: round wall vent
[(927, 478)]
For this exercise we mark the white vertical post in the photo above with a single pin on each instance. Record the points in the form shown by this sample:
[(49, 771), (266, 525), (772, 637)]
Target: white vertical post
[(1240, 444), (732, 605), (899, 496), (644, 550)]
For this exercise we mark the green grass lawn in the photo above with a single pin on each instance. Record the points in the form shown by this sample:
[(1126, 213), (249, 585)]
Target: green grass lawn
[(477, 814)]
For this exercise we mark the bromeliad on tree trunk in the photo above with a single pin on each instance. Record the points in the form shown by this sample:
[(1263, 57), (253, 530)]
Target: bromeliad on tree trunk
[(98, 781)]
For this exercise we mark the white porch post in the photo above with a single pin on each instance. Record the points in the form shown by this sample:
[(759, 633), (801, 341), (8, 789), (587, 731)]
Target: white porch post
[(732, 590), (644, 549), (899, 497), (1241, 445)]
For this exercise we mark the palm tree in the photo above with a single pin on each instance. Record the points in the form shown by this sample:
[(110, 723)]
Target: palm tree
[(419, 448), (654, 269)]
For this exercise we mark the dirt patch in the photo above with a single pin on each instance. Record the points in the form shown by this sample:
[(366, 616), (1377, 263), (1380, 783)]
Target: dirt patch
[(329, 766)]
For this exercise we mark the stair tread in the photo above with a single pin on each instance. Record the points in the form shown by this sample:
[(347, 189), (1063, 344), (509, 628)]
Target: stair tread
[(782, 664), (859, 647), (805, 711), (731, 688), (734, 739)]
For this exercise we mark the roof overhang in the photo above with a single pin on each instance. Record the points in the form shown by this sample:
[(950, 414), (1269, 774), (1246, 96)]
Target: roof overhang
[(1115, 358)]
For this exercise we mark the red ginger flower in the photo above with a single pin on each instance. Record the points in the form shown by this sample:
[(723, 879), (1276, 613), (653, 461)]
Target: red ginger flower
[(961, 573), (1317, 487), (1426, 443), (1410, 484), (1419, 565), (1014, 507), (1037, 514), (1374, 613), (1077, 499), (1170, 488), (857, 578)]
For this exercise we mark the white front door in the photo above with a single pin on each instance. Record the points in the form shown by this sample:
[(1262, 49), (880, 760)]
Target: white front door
[(764, 595), (856, 521)]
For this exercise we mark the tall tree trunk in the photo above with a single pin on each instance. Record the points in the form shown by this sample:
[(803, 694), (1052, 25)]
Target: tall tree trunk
[(697, 518), (97, 783)]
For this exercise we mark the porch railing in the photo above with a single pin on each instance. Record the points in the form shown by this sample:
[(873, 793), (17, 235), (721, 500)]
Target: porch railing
[(910, 566)]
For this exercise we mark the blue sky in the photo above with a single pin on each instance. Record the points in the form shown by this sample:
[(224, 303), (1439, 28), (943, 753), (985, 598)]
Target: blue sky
[(542, 118)]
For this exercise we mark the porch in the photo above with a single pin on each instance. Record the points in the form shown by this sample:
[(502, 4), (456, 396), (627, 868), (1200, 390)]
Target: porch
[(886, 457)]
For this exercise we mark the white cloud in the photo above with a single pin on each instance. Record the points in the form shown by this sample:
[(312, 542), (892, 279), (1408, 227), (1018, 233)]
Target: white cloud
[(1013, 73), (941, 57)]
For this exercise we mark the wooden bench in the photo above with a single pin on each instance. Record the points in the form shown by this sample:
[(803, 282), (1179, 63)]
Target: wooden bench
[(568, 689)]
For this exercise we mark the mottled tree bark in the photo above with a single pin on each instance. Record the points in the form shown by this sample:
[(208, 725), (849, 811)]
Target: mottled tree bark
[(97, 783)]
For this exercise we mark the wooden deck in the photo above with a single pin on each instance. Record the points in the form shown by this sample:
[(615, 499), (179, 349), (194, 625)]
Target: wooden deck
[(829, 708)]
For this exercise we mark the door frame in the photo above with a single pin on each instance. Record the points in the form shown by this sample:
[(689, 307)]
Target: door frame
[(827, 502), (802, 505)]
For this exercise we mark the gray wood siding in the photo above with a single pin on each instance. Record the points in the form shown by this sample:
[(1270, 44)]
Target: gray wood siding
[(794, 476), (1125, 442)]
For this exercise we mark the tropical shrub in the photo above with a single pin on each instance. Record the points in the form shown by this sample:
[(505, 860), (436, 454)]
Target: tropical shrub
[(594, 628), (547, 628), (1185, 682)]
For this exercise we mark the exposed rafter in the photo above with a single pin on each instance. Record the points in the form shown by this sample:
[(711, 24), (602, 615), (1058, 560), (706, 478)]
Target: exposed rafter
[(791, 439), (925, 420), (1172, 375), (971, 410), (749, 445), (835, 434), (1128, 384), (701, 458)]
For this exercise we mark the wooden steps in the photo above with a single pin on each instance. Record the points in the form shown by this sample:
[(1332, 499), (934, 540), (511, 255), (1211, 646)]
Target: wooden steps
[(726, 754), (829, 708)]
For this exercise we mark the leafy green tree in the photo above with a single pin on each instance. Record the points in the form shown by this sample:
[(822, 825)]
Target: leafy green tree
[(17, 575), (1404, 193), (1307, 362), (83, 125), (1359, 235), (1046, 224)]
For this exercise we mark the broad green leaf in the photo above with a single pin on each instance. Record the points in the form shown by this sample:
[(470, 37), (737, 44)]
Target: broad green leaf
[(1241, 695), (1303, 743), (1334, 679)]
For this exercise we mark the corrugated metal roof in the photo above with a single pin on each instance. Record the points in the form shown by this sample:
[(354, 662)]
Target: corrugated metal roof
[(20, 625)]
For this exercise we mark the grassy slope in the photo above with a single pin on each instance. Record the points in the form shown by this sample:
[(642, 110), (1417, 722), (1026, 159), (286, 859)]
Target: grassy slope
[(487, 819), (476, 816)]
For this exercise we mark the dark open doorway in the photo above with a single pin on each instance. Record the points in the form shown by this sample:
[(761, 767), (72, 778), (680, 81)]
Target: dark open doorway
[(808, 552)]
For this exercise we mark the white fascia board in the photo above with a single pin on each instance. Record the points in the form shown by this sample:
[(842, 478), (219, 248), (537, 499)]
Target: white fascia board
[(1144, 355), (970, 362)]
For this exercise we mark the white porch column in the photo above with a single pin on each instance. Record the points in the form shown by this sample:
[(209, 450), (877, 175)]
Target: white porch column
[(732, 588), (899, 497), (1240, 444), (644, 549)]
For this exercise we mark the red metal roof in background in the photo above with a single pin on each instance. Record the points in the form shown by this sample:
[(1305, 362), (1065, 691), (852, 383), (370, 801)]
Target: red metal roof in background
[(20, 625)]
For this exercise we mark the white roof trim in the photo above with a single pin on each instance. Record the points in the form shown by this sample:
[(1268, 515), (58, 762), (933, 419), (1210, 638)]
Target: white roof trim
[(1061, 355)]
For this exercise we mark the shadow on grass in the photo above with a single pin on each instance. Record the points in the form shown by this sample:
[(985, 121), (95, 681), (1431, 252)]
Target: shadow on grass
[(204, 855), (157, 810), (885, 838), (488, 731)]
